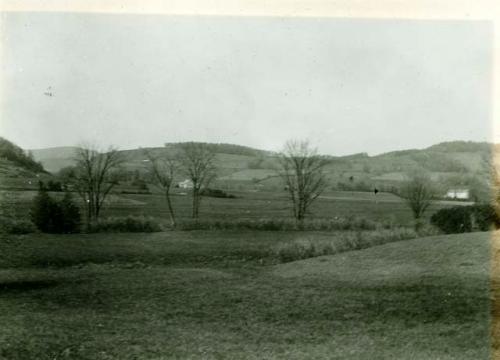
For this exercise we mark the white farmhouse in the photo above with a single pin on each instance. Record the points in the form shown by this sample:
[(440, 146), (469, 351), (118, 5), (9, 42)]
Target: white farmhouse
[(459, 194), (186, 184)]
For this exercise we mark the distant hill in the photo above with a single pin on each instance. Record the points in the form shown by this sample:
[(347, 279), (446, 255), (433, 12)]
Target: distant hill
[(54, 159), (237, 156), (62, 152), (462, 146), (448, 157), (231, 149), (450, 164)]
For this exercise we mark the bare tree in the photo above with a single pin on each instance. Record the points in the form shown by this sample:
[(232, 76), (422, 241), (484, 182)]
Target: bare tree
[(302, 171), (95, 177), (197, 161), (162, 170), (418, 193)]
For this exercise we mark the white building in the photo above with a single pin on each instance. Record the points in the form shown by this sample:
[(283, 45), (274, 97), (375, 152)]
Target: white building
[(186, 184), (459, 194)]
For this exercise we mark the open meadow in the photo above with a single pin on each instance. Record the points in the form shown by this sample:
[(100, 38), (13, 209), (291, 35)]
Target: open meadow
[(383, 207), (222, 295)]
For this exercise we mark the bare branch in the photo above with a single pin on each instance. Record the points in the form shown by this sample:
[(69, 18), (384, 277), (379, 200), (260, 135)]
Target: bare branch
[(94, 176), (197, 162), (418, 194), (162, 170), (302, 171)]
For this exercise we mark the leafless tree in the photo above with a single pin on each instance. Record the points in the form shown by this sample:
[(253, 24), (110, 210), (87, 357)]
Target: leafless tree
[(418, 193), (302, 171), (197, 162), (95, 177), (162, 169)]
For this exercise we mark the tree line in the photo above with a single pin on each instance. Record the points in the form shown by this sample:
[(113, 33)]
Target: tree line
[(96, 173), (301, 169)]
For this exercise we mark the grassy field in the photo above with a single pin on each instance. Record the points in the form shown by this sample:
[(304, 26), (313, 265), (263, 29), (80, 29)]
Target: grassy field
[(217, 295), (250, 205)]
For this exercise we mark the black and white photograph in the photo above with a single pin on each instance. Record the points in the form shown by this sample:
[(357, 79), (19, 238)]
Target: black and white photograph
[(248, 186)]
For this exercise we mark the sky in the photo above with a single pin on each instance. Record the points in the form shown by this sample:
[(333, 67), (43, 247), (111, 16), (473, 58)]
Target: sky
[(347, 85)]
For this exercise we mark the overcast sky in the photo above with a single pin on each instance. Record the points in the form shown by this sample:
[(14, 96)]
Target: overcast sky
[(140, 80)]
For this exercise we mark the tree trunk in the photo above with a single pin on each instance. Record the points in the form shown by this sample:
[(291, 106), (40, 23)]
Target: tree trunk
[(195, 203), (170, 209), (89, 215), (300, 222), (97, 212), (418, 223)]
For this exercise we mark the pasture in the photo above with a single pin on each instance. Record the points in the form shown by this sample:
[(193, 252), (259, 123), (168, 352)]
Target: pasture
[(248, 205), (219, 295)]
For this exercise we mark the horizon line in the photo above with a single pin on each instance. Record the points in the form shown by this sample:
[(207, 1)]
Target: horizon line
[(492, 143)]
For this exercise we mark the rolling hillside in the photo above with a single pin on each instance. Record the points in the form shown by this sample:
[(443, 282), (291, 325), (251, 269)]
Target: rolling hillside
[(453, 156), (18, 168), (450, 164)]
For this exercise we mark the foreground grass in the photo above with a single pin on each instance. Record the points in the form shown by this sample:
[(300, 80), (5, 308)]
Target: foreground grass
[(214, 295)]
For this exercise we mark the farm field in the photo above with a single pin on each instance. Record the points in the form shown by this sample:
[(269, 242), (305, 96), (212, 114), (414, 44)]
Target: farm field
[(217, 295), (251, 205)]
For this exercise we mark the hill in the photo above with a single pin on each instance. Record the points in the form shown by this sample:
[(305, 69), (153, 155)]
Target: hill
[(450, 164), (452, 156), (55, 158), (13, 155), (18, 168)]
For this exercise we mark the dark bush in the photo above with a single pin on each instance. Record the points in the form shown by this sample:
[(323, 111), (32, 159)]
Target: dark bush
[(45, 213), (460, 219), (54, 186), (216, 193), (70, 222), (51, 216), (127, 224), (453, 220), (485, 217)]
